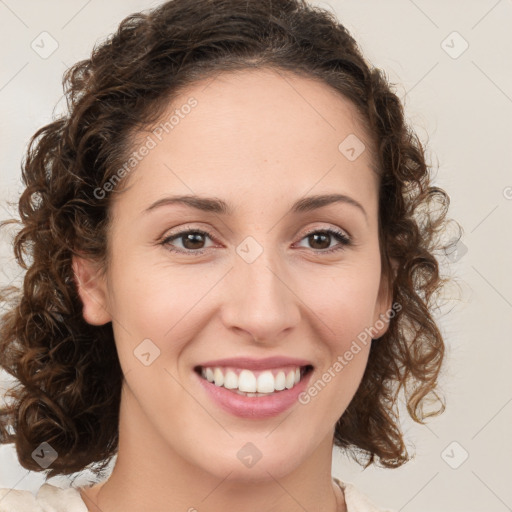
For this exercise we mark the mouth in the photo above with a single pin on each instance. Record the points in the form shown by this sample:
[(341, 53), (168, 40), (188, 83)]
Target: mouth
[(263, 392), (254, 383)]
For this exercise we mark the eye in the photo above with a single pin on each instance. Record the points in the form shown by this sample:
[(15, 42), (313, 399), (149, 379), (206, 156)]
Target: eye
[(323, 238), (192, 241)]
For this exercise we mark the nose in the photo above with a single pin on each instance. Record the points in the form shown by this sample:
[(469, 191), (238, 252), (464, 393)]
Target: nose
[(261, 301)]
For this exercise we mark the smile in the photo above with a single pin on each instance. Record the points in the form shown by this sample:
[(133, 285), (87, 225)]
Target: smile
[(238, 391), (254, 383)]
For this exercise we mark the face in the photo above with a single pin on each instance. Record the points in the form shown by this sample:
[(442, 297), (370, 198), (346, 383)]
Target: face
[(262, 279)]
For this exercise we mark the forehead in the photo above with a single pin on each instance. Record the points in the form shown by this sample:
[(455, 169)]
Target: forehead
[(270, 110), (255, 127)]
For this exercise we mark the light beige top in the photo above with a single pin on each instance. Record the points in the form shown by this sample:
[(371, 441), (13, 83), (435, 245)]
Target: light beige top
[(55, 499)]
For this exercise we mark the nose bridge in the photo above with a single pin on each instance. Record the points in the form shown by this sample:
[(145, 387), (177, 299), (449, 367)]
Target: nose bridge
[(262, 301)]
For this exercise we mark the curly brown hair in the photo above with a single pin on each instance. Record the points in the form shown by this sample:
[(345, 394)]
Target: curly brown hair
[(68, 373)]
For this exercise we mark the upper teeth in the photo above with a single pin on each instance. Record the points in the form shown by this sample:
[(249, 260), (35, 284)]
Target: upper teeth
[(244, 380)]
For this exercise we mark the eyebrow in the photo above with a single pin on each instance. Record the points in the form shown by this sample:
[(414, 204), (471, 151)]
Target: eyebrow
[(218, 206)]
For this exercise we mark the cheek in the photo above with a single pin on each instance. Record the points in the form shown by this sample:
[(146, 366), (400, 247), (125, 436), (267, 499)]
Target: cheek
[(343, 301), (333, 387), (158, 303), (344, 306), (152, 298)]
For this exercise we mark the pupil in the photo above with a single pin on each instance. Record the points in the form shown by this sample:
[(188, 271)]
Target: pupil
[(316, 236), (193, 238)]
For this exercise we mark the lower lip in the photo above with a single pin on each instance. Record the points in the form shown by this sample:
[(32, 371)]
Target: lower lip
[(254, 407)]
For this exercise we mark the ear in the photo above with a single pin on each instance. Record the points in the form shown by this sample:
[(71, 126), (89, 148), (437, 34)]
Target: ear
[(384, 302), (92, 289)]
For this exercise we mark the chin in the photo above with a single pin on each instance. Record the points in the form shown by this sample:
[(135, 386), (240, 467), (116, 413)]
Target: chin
[(246, 461)]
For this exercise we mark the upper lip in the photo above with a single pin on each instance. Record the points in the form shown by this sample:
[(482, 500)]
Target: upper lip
[(256, 364)]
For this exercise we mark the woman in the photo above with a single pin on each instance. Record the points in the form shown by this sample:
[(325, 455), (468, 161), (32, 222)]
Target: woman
[(232, 242)]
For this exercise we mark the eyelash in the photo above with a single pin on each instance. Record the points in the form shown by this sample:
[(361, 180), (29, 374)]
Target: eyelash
[(338, 235)]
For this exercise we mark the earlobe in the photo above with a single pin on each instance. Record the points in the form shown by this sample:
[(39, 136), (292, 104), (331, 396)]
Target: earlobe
[(92, 290)]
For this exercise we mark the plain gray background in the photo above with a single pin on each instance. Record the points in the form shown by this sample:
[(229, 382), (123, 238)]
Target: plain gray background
[(449, 61)]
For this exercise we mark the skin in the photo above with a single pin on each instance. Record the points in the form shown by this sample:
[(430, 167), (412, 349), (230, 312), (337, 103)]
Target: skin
[(259, 140)]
